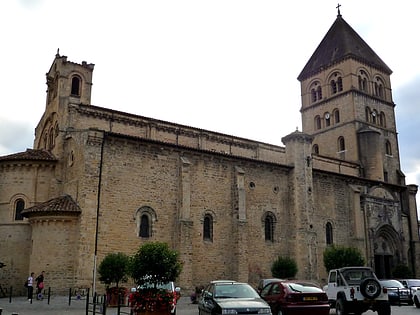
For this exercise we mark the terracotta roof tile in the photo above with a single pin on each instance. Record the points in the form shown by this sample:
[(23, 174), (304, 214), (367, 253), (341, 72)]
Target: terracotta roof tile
[(61, 205), (31, 155)]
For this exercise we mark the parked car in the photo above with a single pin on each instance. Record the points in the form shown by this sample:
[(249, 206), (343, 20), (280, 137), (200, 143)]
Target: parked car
[(397, 293), (416, 298), (288, 297), (223, 297), (263, 282), (412, 284), (168, 286)]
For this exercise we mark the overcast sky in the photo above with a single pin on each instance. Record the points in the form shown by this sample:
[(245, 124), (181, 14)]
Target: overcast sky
[(226, 66)]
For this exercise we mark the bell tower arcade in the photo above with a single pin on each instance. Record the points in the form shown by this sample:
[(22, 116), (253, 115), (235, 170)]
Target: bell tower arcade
[(347, 104)]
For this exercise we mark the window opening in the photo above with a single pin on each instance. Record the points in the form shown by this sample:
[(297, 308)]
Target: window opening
[(319, 93), (269, 228), (367, 114), (75, 86), (336, 116), (317, 123), (144, 226), (19, 206), (329, 233), (341, 144), (388, 149), (382, 121), (327, 119), (208, 228)]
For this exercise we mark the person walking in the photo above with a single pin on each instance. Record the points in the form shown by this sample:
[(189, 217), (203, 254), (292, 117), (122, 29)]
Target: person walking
[(30, 286), (39, 285)]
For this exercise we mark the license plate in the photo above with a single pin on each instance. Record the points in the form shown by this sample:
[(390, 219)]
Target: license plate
[(310, 298)]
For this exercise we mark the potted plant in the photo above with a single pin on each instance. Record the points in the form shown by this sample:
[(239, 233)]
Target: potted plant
[(154, 268), (114, 269)]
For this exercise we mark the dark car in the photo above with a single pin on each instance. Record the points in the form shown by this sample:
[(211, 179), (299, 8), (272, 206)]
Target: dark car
[(397, 293), (223, 297), (412, 284), (263, 282), (288, 297)]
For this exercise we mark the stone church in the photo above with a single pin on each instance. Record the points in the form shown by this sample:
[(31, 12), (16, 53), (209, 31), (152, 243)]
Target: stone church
[(100, 181)]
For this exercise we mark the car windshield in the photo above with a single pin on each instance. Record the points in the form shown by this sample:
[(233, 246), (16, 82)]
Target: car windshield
[(413, 283), (356, 276), (148, 285), (296, 287), (234, 290), (392, 284)]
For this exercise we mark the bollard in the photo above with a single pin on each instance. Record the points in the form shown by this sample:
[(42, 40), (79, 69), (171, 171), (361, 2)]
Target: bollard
[(1, 310)]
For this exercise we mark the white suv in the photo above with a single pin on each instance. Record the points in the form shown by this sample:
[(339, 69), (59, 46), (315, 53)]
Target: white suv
[(356, 290)]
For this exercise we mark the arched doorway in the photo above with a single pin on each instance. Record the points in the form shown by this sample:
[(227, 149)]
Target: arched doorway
[(387, 251)]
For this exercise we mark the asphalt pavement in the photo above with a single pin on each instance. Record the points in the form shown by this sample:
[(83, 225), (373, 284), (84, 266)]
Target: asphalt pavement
[(60, 305)]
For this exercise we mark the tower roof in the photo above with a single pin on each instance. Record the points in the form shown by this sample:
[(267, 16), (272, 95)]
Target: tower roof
[(341, 42)]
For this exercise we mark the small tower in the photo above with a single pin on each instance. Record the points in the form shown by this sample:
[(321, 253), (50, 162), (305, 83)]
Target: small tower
[(68, 83), (347, 104)]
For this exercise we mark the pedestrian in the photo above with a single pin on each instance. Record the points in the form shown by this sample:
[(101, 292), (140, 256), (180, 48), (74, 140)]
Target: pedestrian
[(39, 285), (30, 286)]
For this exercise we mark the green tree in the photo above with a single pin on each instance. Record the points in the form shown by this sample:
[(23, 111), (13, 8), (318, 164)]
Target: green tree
[(155, 263), (284, 268), (402, 272), (339, 256), (114, 268)]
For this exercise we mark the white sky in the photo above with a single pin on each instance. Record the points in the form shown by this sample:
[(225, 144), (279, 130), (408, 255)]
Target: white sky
[(223, 65)]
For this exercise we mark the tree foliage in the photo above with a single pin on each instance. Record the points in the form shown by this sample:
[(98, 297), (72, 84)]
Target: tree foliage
[(155, 263), (339, 256), (402, 272), (114, 268), (284, 268)]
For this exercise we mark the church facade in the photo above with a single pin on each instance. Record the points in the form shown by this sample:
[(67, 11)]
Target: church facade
[(99, 181)]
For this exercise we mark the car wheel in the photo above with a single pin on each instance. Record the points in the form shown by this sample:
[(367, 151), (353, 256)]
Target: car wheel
[(416, 301), (370, 288), (281, 312), (339, 307)]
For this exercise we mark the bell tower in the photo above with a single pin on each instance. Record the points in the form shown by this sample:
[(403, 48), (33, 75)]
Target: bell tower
[(347, 104), (67, 83)]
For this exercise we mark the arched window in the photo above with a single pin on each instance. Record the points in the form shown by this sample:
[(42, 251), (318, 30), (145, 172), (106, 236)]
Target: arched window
[(315, 149), (316, 92), (208, 228), (145, 217), (382, 121), (362, 78), (333, 87), (51, 140), (336, 114), (367, 114), (336, 84), (269, 221), (319, 93), (313, 95), (327, 119), (317, 123), (144, 226), (341, 144), (19, 206), (379, 88), (388, 148), (75, 86), (329, 233), (339, 84), (374, 117)]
